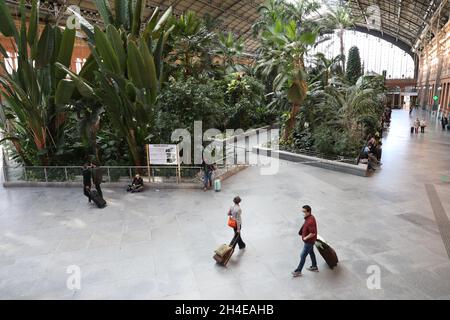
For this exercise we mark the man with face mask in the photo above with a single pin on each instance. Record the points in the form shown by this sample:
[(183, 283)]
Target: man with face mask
[(308, 232)]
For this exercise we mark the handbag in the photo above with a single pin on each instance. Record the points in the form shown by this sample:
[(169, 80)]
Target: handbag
[(232, 222)]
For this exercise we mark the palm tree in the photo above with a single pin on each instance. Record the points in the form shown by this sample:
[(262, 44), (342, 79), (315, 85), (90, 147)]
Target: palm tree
[(190, 44), (326, 68), (355, 103), (286, 33), (340, 19)]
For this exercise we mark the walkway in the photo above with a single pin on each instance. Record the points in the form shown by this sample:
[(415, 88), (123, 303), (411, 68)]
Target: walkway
[(159, 244)]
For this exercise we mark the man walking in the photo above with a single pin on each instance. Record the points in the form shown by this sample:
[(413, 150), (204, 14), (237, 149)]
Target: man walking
[(97, 177), (308, 232)]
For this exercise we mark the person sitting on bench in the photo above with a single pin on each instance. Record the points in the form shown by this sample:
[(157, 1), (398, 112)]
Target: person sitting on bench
[(137, 185)]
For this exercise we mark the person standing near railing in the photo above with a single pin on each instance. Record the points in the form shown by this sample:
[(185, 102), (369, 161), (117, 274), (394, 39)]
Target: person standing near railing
[(97, 177), (208, 170), (87, 176)]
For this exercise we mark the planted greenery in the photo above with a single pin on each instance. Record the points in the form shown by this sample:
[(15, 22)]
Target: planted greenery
[(32, 116), (128, 78), (286, 32), (353, 65), (143, 80), (183, 101)]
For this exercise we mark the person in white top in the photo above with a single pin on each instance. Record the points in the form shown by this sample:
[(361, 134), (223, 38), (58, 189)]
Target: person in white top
[(423, 124), (235, 212), (416, 125)]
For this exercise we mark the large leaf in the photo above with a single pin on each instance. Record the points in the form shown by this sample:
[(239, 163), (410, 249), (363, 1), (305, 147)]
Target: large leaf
[(159, 52), (7, 25), (149, 77), (106, 51), (117, 44), (121, 9), (87, 71), (162, 21), (137, 14), (64, 91), (65, 51), (135, 65), (308, 37), (23, 47), (82, 86), (151, 24), (45, 46), (105, 11), (58, 39), (33, 24)]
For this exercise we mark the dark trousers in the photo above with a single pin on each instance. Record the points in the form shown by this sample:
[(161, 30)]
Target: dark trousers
[(207, 179), (99, 189), (135, 188), (87, 191), (422, 129), (308, 249), (237, 239)]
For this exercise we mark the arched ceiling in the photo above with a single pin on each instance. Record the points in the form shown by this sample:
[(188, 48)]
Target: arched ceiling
[(406, 23), (402, 22)]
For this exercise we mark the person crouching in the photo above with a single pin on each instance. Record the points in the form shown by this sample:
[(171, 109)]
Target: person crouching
[(137, 185)]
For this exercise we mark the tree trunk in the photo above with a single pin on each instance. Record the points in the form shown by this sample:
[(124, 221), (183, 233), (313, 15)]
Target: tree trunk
[(290, 124), (134, 148), (341, 38), (93, 139)]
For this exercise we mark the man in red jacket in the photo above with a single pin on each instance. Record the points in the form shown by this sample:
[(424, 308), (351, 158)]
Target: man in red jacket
[(308, 232)]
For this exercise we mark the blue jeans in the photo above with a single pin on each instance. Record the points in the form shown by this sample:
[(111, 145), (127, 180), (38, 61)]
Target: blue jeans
[(307, 249), (207, 179)]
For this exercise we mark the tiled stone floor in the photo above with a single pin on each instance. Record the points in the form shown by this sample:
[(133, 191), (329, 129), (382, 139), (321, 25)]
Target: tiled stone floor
[(159, 244)]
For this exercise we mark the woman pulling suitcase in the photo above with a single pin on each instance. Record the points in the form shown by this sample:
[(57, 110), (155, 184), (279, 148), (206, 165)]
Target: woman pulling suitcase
[(225, 251), (235, 221)]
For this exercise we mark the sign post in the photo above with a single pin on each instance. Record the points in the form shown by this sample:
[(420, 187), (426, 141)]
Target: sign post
[(147, 149), (179, 165), (164, 154)]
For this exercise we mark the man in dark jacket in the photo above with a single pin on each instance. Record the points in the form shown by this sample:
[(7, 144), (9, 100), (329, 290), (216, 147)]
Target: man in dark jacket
[(137, 185), (87, 176), (308, 232), (97, 177)]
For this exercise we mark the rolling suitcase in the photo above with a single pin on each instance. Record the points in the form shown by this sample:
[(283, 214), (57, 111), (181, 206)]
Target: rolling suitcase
[(327, 253), (217, 185), (98, 199), (224, 252)]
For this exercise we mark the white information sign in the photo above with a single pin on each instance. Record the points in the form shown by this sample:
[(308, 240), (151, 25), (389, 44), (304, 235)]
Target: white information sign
[(166, 154)]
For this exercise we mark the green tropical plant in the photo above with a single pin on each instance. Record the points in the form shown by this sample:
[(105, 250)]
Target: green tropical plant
[(190, 47), (353, 65), (356, 103), (32, 113), (339, 18), (230, 50), (244, 97), (183, 101), (325, 68), (335, 119), (286, 33), (130, 68)]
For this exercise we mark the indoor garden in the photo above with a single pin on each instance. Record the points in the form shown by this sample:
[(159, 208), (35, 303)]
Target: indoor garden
[(142, 80)]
